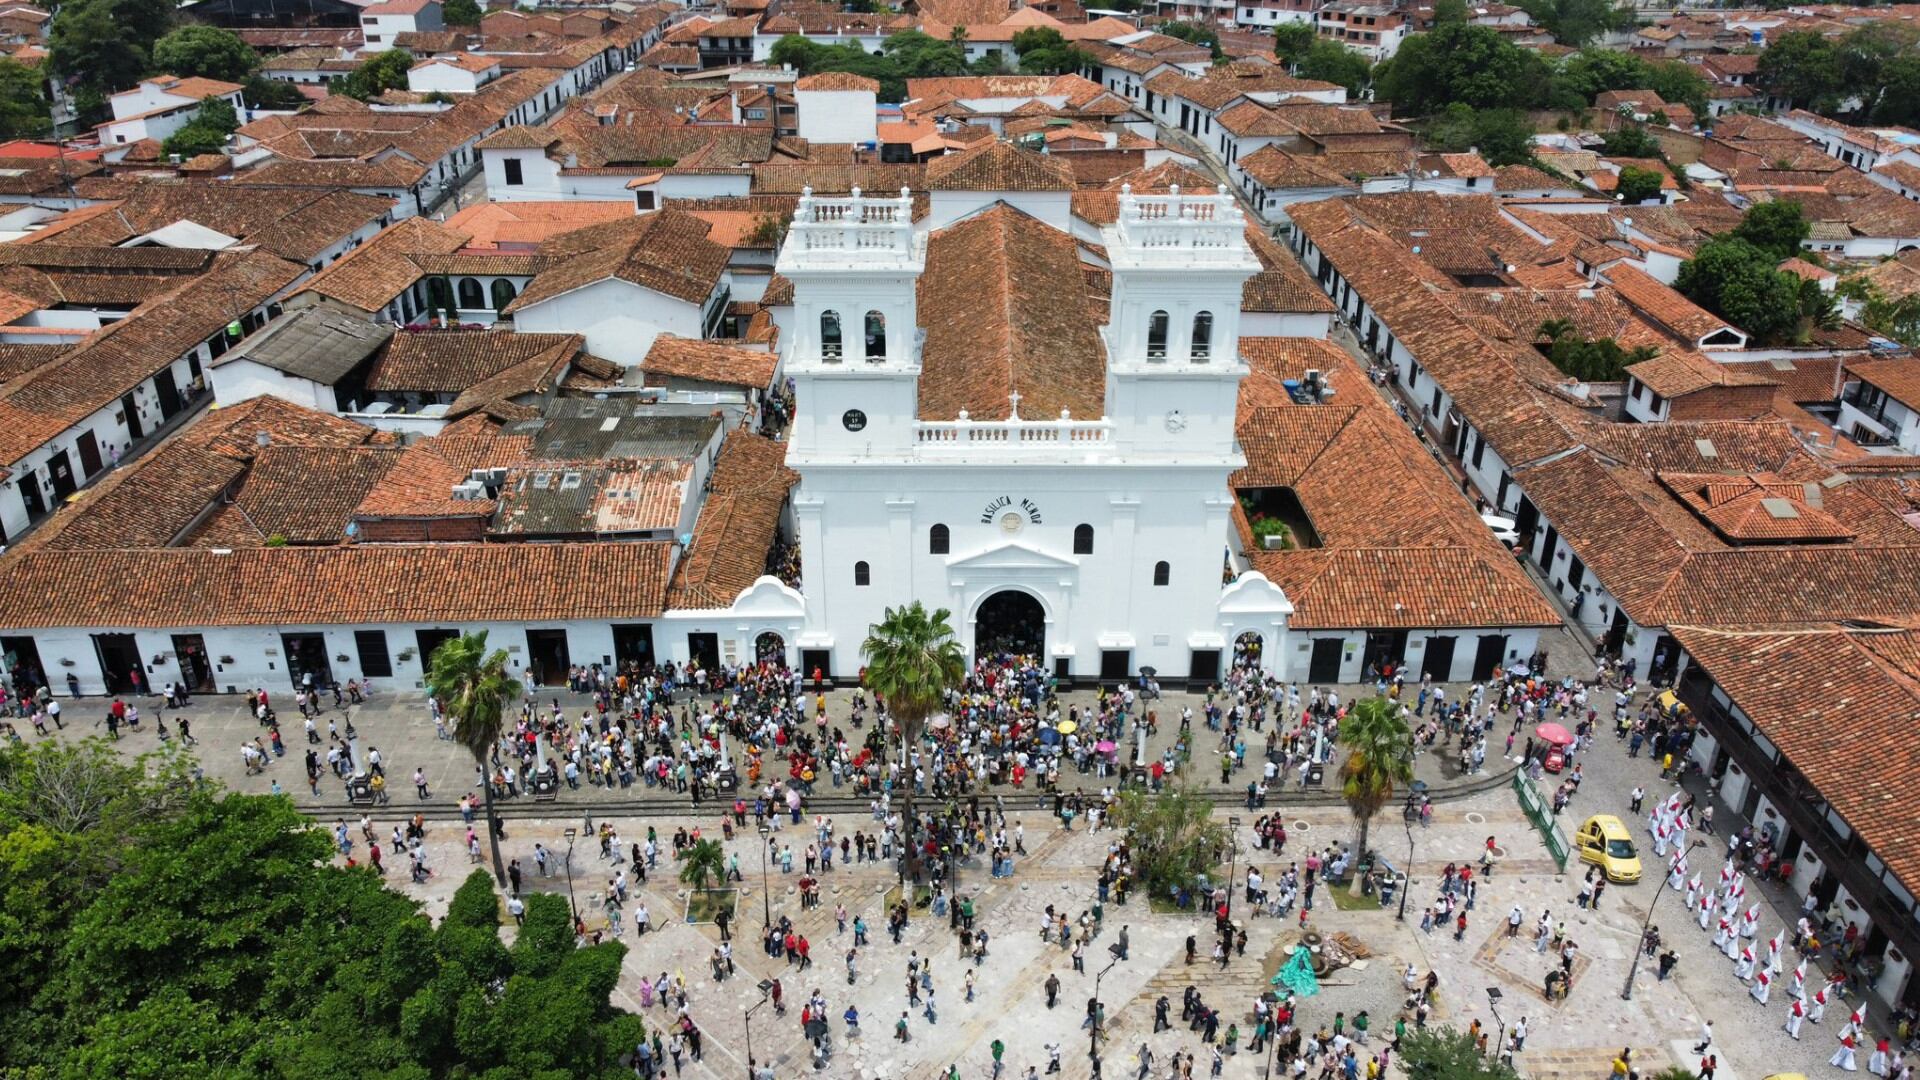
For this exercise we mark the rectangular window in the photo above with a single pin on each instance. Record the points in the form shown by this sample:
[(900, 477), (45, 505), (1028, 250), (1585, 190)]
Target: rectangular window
[(643, 200), (374, 661), (512, 166), (1479, 450)]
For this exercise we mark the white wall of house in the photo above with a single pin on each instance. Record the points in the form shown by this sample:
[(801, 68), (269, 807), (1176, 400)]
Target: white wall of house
[(837, 116), (620, 319), (243, 379)]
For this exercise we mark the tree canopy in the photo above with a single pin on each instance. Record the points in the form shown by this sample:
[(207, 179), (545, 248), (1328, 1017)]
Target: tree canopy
[(379, 73), (1638, 185), (1330, 61), (153, 928), (207, 132), (909, 54), (1197, 34), (206, 51), (460, 13), (1776, 227), (1502, 136), (23, 101), (1737, 281), (1578, 22), (1465, 63), (1043, 51)]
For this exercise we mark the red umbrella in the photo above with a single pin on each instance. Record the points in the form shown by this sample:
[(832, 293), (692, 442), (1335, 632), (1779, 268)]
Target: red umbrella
[(1554, 734)]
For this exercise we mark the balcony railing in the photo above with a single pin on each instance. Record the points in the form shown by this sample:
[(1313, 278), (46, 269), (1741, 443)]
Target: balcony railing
[(965, 432)]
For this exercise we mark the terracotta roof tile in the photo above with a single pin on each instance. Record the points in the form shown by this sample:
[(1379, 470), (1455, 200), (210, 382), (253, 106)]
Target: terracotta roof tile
[(306, 494), (1899, 378), (674, 357), (1819, 694), (991, 305), (666, 251), (998, 166), (450, 361), (341, 585), (737, 523), (371, 275), (838, 80)]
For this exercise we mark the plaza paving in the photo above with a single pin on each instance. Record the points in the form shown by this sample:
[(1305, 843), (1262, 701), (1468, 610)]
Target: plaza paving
[(1574, 1038)]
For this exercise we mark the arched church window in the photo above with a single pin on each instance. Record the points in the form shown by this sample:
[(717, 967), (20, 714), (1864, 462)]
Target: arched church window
[(938, 540), (876, 336), (861, 575), (1083, 539), (1157, 336), (1162, 571)]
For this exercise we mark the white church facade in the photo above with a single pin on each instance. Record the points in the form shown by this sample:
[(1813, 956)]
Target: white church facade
[(1096, 541)]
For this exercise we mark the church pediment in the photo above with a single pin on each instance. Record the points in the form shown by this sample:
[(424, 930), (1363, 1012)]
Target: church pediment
[(1012, 556)]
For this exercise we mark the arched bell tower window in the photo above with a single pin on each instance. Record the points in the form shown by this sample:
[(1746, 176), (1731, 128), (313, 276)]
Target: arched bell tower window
[(1202, 336), (1157, 336), (876, 336), (830, 343)]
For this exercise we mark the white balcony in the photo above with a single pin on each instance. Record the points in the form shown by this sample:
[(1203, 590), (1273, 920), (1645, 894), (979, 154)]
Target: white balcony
[(1016, 436)]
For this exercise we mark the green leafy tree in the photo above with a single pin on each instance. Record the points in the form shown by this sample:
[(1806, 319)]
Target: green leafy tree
[(1172, 836), (1804, 67), (1678, 83), (1330, 61), (912, 659), (104, 54), (1292, 41), (206, 51), (460, 13), (1502, 136), (1473, 65), (1896, 319), (207, 132), (24, 111), (276, 94), (473, 687), (1776, 227), (703, 864), (1196, 34), (380, 73), (1578, 22), (1601, 360), (1637, 185), (1043, 51), (1737, 281), (1379, 759), (1898, 102), (1449, 11), (1631, 141), (1445, 1053)]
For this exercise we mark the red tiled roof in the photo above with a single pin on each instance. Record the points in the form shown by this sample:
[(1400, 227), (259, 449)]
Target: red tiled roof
[(996, 321), (737, 524), (341, 585), (674, 357)]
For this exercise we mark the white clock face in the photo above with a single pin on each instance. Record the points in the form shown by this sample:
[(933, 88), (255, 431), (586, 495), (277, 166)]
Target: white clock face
[(1176, 421), (1010, 522)]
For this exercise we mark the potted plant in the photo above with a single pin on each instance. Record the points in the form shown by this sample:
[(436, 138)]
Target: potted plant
[(1271, 533)]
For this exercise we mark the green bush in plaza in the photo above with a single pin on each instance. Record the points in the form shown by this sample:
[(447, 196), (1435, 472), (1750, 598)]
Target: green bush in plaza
[(152, 926)]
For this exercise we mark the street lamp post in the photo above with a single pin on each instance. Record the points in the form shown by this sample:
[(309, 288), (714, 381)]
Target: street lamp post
[(1233, 851), (1626, 992), (1407, 885), (1493, 1002), (766, 898), (766, 990), (1093, 1037), (571, 835)]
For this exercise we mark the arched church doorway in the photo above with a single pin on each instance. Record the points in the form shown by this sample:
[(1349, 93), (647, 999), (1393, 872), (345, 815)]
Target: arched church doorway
[(770, 648), (1010, 622), (1246, 649)]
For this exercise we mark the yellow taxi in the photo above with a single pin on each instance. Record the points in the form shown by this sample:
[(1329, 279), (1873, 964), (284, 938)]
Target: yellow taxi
[(1605, 842)]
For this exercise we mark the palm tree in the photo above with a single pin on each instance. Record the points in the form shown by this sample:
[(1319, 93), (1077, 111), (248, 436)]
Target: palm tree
[(912, 658), (474, 687), (1555, 329), (704, 863), (1379, 755)]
